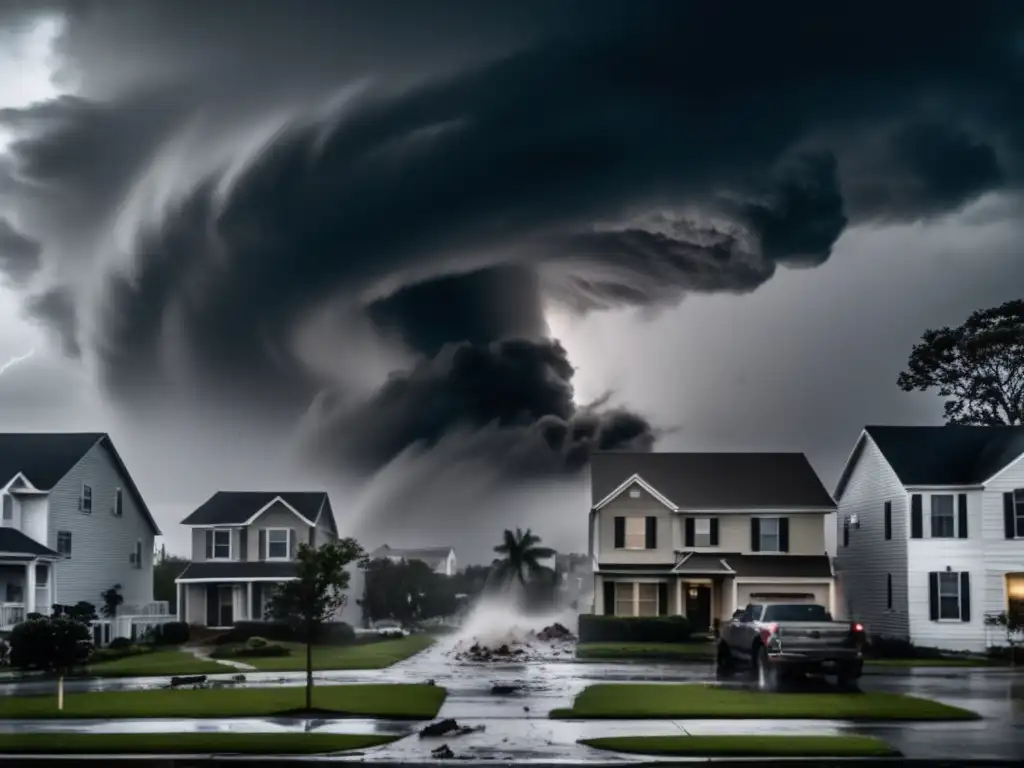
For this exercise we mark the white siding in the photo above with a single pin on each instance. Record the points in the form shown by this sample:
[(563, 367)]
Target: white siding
[(863, 566), (643, 506)]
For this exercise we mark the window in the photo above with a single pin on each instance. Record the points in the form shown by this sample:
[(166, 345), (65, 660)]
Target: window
[(943, 519), (221, 545), (702, 532), (636, 533), (15, 593), (8, 507), (846, 532), (277, 544), (42, 576), (949, 596), (888, 520), (647, 600), (64, 543), (1015, 595), (85, 502), (624, 598), (137, 554), (118, 503), (888, 591), (1018, 512), (769, 534), (634, 493)]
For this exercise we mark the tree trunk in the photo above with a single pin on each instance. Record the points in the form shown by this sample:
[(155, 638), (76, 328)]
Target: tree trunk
[(309, 665), (60, 692)]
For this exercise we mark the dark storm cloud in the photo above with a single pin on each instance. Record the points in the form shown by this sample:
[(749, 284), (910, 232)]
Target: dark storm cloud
[(628, 155), (19, 255), (56, 308)]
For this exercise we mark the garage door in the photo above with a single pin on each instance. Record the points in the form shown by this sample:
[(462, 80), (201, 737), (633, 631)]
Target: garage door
[(781, 593)]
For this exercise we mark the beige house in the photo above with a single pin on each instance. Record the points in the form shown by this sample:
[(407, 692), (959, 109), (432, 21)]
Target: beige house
[(243, 546), (703, 534)]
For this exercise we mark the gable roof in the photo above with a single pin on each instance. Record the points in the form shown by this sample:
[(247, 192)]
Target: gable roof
[(947, 455), (430, 555), (238, 507), (714, 480), (14, 542), (44, 458)]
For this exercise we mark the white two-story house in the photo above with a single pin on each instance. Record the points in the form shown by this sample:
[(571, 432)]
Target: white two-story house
[(704, 534), (931, 532), (243, 546), (74, 525), (441, 560)]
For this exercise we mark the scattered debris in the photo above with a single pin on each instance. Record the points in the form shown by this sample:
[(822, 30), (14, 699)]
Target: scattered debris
[(505, 690), (238, 679), (188, 680), (555, 631), (442, 753), (431, 682), (447, 727)]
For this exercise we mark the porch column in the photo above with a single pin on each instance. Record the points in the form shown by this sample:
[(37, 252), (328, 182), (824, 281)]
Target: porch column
[(30, 587), (832, 597), (679, 597), (181, 601), (51, 587), (598, 595), (735, 597), (248, 601)]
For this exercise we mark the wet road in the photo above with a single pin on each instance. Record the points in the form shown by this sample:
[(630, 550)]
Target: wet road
[(516, 726)]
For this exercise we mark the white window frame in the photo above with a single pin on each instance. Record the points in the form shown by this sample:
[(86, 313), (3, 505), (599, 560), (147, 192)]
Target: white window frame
[(637, 521), (85, 501), (633, 587), (698, 534), (69, 540), (287, 541), (932, 515), (118, 502), (1018, 513), (8, 504), (778, 535), (955, 577), (231, 544)]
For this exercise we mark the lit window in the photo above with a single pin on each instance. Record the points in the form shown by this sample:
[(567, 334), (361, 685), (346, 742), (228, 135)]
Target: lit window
[(769, 534), (636, 533)]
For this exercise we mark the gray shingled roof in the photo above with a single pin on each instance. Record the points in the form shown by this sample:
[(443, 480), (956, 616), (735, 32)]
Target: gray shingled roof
[(235, 507), (715, 480), (701, 562), (236, 570), (755, 566), (13, 541), (432, 556), (949, 455)]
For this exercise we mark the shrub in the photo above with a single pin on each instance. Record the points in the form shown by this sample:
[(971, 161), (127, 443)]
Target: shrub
[(269, 650), (628, 629), (1003, 653), (882, 647), (172, 633), (46, 643), (334, 633), (119, 644), (256, 642)]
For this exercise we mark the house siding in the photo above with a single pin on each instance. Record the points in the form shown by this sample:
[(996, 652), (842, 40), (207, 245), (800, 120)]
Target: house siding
[(100, 542), (278, 516), (863, 565), (199, 543), (644, 506), (806, 532)]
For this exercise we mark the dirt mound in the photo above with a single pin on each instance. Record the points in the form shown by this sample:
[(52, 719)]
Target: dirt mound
[(556, 631)]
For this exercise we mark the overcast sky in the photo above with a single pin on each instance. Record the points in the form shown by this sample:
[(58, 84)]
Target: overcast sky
[(429, 255)]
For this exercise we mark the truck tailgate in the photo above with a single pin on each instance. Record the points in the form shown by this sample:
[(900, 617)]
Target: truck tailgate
[(815, 637)]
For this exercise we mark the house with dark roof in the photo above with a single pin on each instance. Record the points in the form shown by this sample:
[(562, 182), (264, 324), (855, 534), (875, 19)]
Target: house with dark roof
[(74, 524), (243, 546), (931, 532), (704, 534), (439, 559)]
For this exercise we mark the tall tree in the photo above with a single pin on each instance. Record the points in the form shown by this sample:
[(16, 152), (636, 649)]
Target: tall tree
[(165, 572), (522, 558), (977, 366), (316, 596), (406, 591)]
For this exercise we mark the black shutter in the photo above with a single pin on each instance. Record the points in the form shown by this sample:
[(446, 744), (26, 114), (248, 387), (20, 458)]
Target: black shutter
[(209, 544), (965, 596), (212, 605), (916, 517), (714, 531), (933, 596), (846, 532), (962, 515), (257, 601), (651, 539), (1008, 522), (690, 535), (263, 543), (755, 534), (783, 534), (243, 544), (663, 599), (888, 520), (292, 543), (888, 591), (609, 598), (620, 532)]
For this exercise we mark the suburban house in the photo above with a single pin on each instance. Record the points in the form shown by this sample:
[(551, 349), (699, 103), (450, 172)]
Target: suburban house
[(704, 534), (931, 532), (243, 546), (74, 525), (440, 560)]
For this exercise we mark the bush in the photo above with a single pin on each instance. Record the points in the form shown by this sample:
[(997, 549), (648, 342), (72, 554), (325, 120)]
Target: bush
[(50, 643), (1002, 653), (247, 651), (882, 647), (119, 644), (335, 633), (627, 629), (172, 633), (256, 642)]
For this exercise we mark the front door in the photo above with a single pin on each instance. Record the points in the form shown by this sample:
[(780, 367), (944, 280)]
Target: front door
[(698, 607), (227, 613)]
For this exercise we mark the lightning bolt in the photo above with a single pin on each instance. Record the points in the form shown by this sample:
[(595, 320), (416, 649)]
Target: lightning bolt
[(15, 360)]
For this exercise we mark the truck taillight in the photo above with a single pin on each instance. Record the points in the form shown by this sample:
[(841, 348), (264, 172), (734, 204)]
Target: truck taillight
[(767, 631), (858, 627)]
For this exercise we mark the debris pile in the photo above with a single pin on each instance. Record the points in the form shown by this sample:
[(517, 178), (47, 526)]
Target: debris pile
[(447, 727), (553, 641), (556, 631)]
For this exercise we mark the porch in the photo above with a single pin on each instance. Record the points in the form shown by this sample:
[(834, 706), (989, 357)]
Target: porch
[(222, 604), (25, 587)]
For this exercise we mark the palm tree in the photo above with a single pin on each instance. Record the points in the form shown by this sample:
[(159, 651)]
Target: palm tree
[(522, 558)]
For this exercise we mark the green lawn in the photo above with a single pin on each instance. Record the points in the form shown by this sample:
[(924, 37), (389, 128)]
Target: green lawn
[(646, 651), (156, 664), (947, 662), (408, 702), (375, 655), (652, 701), (186, 743), (747, 746)]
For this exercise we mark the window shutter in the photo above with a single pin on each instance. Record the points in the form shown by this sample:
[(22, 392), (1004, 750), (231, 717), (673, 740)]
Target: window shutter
[(620, 532), (651, 537), (714, 531), (1008, 521), (888, 591), (846, 532), (292, 544), (312, 536), (690, 534), (783, 534), (263, 544), (609, 598), (243, 544), (962, 515), (965, 596), (916, 517), (755, 534), (209, 544), (663, 599), (933, 596), (888, 520)]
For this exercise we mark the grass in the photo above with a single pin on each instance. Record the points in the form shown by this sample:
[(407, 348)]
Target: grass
[(646, 651), (746, 746), (375, 655), (187, 743), (407, 702), (940, 662), (156, 664), (653, 701)]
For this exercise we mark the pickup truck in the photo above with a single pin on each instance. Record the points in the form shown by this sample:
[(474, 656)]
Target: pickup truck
[(780, 639)]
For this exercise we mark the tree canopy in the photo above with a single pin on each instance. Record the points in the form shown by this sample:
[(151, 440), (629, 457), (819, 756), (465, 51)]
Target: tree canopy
[(977, 366), (406, 591)]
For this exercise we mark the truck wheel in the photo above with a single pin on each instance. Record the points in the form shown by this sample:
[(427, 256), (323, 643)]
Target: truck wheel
[(846, 680), (724, 666), (767, 675)]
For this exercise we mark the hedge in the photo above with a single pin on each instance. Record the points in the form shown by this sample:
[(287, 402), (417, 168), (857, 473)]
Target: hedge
[(334, 633), (628, 629)]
